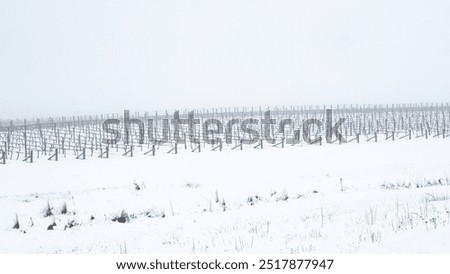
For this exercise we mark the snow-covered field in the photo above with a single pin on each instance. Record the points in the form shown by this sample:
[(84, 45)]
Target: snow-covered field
[(394, 198)]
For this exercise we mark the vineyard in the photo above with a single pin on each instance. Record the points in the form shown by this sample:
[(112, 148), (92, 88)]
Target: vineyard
[(84, 136), (211, 181)]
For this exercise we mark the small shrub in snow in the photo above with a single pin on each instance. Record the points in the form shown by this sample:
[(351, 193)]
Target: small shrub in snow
[(136, 186), (121, 218), (154, 214), (52, 226), (63, 209), (252, 200), (191, 185), (216, 197), (223, 205), (16, 223), (47, 211), (283, 197), (70, 224), (416, 184), (431, 197)]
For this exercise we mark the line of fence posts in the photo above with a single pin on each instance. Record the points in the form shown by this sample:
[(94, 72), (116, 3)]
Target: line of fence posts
[(36, 138), (2, 157)]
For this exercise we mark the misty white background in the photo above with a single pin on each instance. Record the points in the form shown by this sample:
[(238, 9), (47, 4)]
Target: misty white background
[(86, 57)]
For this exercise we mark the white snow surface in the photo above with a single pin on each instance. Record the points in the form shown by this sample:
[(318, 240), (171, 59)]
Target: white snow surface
[(394, 198)]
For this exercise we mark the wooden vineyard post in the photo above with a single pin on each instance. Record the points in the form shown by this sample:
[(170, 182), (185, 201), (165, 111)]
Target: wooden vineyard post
[(197, 148), (260, 144), (279, 143), (29, 157), (239, 145), (25, 136), (444, 126), (174, 149), (374, 137), (407, 135), (54, 156), (297, 136), (104, 154), (5, 151), (3, 157), (219, 146), (82, 156), (128, 152), (153, 150)]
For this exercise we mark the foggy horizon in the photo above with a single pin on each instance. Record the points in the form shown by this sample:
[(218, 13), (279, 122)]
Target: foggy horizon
[(88, 58)]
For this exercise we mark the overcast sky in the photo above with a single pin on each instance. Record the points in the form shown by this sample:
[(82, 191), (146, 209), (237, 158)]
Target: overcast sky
[(85, 57)]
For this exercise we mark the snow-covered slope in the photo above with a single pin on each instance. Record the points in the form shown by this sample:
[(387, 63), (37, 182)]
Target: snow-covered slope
[(394, 197)]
